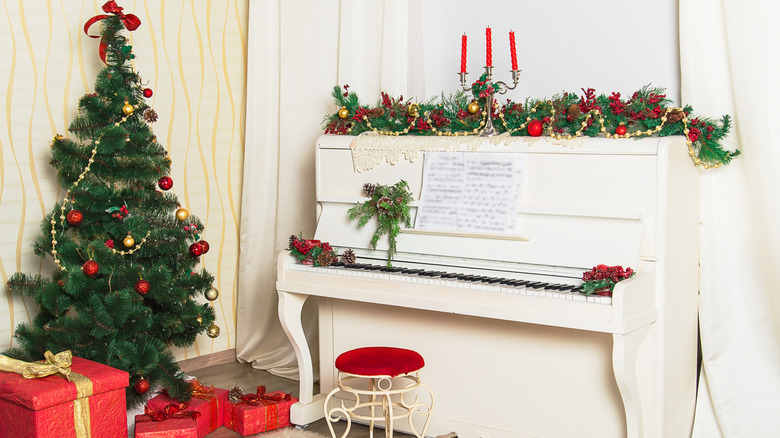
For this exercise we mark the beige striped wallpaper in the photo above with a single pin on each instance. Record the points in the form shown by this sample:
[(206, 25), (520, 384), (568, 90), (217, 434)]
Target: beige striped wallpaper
[(192, 54)]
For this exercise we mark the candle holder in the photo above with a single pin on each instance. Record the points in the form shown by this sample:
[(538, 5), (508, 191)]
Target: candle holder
[(488, 130)]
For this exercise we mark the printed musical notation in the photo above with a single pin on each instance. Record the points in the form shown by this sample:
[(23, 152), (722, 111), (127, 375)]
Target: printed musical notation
[(470, 192)]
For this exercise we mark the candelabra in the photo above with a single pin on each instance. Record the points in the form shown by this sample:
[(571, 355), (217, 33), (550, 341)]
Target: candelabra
[(488, 129)]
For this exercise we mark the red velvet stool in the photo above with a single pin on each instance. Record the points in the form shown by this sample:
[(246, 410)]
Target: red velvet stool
[(379, 377)]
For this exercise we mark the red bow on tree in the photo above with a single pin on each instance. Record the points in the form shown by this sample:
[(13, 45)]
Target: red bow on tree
[(130, 21), (169, 411)]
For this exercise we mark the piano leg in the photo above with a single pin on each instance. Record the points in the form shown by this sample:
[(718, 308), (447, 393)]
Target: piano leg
[(309, 407), (624, 361)]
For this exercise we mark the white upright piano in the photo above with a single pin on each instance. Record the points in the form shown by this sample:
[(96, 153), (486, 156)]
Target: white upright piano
[(513, 361)]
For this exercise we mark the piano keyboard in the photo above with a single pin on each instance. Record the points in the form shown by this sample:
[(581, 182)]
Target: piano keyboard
[(479, 283)]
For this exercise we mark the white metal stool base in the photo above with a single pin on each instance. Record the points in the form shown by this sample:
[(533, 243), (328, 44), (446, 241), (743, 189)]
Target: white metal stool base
[(380, 394)]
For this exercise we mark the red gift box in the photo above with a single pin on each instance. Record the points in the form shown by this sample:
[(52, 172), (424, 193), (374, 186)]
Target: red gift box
[(207, 401), (259, 412), (147, 427), (53, 407)]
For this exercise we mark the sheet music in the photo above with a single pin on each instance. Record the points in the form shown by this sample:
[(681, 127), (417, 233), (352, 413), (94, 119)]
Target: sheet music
[(468, 191)]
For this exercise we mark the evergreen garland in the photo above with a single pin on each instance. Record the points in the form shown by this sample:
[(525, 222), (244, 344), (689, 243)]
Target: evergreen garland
[(647, 112), (390, 205)]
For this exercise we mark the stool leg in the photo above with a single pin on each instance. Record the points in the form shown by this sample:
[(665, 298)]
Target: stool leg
[(388, 411), (372, 387)]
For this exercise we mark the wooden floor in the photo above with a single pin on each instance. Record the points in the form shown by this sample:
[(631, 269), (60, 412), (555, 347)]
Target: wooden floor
[(230, 374)]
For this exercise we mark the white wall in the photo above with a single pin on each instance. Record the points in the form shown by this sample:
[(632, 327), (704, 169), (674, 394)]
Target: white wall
[(562, 45)]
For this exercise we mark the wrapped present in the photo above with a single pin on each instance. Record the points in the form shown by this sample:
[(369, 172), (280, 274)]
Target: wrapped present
[(207, 401), (62, 397), (249, 414), (172, 422)]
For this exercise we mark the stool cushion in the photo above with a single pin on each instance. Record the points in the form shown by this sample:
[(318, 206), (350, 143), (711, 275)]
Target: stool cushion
[(376, 361)]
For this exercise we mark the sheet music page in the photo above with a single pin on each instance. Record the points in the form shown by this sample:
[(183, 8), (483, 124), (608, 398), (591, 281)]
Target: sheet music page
[(473, 192)]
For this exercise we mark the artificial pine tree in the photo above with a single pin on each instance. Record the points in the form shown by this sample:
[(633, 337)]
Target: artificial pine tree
[(125, 287)]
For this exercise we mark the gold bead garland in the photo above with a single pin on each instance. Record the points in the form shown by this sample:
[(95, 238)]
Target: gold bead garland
[(67, 200)]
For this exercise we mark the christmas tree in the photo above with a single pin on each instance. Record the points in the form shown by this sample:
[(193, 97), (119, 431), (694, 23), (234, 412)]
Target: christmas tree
[(125, 287)]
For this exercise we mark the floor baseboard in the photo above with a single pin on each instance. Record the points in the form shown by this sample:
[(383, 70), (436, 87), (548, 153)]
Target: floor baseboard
[(218, 358)]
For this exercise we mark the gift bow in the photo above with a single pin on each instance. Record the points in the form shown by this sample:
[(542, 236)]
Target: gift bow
[(200, 391), (54, 363), (261, 396), (130, 21), (172, 410)]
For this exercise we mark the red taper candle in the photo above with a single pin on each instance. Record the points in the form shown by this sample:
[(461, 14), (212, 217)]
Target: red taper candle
[(463, 54), (513, 49), (489, 48)]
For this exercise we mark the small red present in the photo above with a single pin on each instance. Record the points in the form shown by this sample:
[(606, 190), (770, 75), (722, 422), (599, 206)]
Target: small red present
[(170, 423), (89, 402), (260, 412), (207, 401)]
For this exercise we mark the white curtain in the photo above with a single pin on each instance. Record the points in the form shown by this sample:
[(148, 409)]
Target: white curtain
[(298, 50), (730, 65)]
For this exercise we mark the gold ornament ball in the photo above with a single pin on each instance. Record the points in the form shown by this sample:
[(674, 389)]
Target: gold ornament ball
[(414, 110), (199, 319), (473, 107), (343, 112), (212, 294), (212, 331), (182, 214), (128, 109), (128, 241)]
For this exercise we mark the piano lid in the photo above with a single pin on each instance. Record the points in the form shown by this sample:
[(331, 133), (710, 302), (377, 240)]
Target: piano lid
[(581, 206)]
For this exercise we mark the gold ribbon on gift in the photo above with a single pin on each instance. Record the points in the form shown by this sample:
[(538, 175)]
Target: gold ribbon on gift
[(53, 364)]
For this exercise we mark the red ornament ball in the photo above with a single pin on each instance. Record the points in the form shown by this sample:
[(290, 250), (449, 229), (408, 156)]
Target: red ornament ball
[(148, 92), (621, 130), (75, 217), (91, 268), (142, 286), (196, 249), (165, 183), (141, 386), (205, 246), (535, 128)]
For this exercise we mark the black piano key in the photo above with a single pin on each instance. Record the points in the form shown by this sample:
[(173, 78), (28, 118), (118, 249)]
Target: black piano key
[(567, 287), (493, 280)]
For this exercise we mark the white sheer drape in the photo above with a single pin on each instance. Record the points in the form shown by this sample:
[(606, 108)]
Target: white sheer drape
[(298, 50), (730, 64)]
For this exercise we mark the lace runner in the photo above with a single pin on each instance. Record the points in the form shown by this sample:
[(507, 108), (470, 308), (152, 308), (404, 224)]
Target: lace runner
[(369, 149)]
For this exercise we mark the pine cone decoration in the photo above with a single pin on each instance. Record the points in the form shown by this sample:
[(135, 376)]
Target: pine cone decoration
[(235, 394), (380, 205), (348, 257), (369, 189), (376, 112), (574, 111), (674, 115), (150, 115), (325, 258), (293, 239)]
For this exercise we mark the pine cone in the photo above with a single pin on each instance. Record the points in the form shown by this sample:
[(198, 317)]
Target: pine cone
[(384, 200), (674, 115), (369, 189), (376, 112), (235, 394), (150, 115), (325, 258), (348, 257), (574, 111), (293, 239)]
